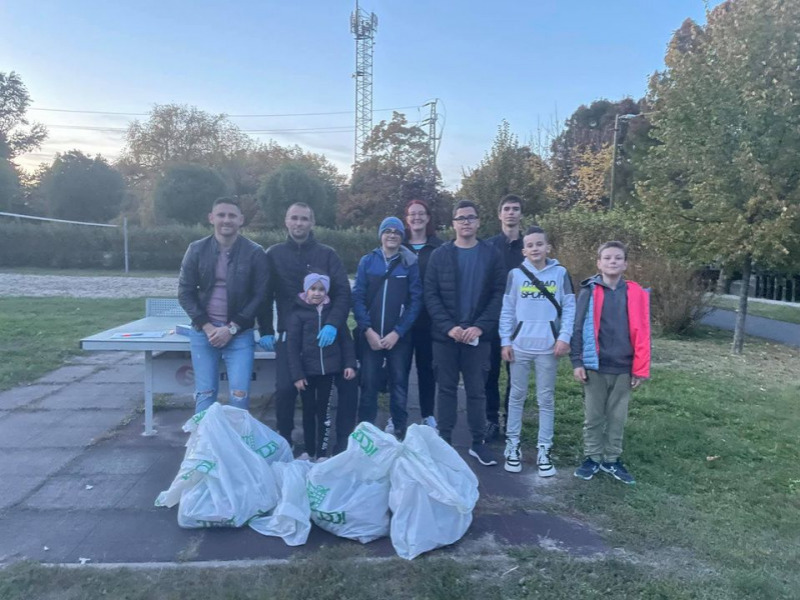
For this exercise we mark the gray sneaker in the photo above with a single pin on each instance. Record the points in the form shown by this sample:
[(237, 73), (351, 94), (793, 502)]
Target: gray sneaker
[(491, 433), (546, 468), (513, 456)]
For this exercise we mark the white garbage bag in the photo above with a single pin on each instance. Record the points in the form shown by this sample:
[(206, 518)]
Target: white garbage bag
[(433, 493), (349, 493), (226, 478), (291, 518)]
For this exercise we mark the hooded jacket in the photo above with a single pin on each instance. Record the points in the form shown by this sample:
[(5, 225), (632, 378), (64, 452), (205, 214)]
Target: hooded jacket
[(585, 351), (395, 305), (529, 322), (306, 358)]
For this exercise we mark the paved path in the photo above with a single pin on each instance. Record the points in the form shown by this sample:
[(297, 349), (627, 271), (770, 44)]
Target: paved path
[(770, 329), (79, 481)]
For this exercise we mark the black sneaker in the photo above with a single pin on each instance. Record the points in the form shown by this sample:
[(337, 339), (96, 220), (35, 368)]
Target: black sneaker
[(587, 469), (482, 454), (491, 433), (618, 471)]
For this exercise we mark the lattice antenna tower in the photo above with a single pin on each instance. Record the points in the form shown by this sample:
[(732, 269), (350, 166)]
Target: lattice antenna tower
[(363, 26), (434, 138)]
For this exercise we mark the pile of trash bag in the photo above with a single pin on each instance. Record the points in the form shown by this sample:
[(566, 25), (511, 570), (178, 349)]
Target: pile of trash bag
[(237, 471)]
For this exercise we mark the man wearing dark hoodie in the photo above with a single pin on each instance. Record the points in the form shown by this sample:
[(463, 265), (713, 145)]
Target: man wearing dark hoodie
[(387, 298)]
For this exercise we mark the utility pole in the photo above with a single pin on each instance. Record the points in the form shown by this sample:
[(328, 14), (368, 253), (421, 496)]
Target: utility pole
[(363, 26), (433, 141)]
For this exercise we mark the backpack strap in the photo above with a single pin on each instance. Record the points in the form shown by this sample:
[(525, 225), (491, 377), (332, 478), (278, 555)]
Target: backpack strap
[(542, 288)]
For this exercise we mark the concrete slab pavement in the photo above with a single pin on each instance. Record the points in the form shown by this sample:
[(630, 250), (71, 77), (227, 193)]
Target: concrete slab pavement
[(79, 481)]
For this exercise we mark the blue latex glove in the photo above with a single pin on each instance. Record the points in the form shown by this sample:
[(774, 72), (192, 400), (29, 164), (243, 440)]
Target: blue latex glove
[(326, 336), (267, 342)]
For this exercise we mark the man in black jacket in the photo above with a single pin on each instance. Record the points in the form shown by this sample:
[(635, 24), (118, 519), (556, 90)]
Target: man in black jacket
[(221, 287), (289, 262), (509, 244), (463, 293)]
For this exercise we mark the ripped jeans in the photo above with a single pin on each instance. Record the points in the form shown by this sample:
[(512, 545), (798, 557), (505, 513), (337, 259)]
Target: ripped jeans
[(238, 356)]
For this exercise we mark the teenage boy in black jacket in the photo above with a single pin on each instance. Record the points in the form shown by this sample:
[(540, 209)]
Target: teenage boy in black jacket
[(463, 293)]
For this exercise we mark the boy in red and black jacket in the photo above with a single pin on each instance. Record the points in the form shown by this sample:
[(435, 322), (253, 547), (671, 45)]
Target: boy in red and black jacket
[(610, 356)]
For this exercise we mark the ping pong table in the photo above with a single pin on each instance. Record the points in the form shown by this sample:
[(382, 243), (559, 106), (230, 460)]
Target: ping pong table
[(167, 357)]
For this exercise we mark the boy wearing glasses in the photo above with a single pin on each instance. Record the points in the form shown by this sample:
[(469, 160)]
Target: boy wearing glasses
[(463, 294), (387, 298)]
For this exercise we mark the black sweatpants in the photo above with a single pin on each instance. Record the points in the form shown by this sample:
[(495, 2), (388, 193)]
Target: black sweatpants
[(315, 413)]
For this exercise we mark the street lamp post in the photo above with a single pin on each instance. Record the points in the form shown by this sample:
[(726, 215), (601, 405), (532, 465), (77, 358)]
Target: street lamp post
[(617, 119)]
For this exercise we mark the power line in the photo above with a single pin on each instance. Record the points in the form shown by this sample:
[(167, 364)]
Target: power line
[(133, 114), (334, 129)]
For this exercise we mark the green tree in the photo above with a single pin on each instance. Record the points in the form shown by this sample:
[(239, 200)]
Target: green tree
[(723, 184), (177, 133), (587, 131), (10, 191), (81, 188), (396, 172), (295, 182), (508, 168), (15, 136), (186, 192)]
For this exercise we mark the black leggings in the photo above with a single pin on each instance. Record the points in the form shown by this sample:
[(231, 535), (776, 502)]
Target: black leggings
[(315, 414)]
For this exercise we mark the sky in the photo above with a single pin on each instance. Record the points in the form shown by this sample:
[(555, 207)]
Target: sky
[(530, 62)]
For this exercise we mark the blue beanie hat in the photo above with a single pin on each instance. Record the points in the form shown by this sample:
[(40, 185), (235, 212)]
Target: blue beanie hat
[(391, 223)]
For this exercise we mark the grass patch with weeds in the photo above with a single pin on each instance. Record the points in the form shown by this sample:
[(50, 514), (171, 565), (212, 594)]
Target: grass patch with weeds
[(780, 312), (712, 441), (39, 334)]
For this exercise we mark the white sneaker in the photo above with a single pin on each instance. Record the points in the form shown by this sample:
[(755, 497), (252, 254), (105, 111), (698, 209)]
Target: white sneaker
[(430, 422), (304, 456), (513, 456), (389, 427), (546, 468)]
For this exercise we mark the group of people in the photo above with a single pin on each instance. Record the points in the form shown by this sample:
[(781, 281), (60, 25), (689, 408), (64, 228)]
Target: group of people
[(457, 309)]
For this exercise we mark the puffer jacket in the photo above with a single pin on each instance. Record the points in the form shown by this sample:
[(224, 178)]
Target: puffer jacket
[(441, 291), (529, 322), (306, 358), (585, 351), (394, 305), (246, 285)]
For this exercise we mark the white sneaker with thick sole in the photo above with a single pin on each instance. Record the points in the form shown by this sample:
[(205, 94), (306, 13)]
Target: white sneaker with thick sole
[(545, 464), (513, 456), (389, 427)]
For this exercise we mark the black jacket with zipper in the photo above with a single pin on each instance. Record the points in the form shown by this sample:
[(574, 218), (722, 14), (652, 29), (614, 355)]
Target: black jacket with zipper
[(442, 294), (246, 283), (306, 358)]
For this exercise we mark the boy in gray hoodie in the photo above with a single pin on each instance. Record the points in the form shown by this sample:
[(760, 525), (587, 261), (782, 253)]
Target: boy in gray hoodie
[(536, 324)]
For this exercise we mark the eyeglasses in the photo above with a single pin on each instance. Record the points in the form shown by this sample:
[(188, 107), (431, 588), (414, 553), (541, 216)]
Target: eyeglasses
[(391, 232), (467, 219)]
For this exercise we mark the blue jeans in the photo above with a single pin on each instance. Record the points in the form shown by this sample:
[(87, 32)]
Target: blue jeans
[(398, 360), (238, 356)]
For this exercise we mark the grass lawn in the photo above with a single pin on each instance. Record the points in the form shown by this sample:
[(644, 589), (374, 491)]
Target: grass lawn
[(39, 333), (790, 314), (712, 441)]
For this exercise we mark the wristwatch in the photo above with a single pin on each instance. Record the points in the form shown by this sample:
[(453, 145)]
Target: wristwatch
[(233, 328)]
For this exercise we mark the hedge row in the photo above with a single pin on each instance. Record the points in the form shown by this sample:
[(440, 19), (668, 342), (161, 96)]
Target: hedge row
[(152, 248)]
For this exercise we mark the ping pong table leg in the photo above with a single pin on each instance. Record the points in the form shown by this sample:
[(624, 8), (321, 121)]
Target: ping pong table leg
[(148, 393)]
